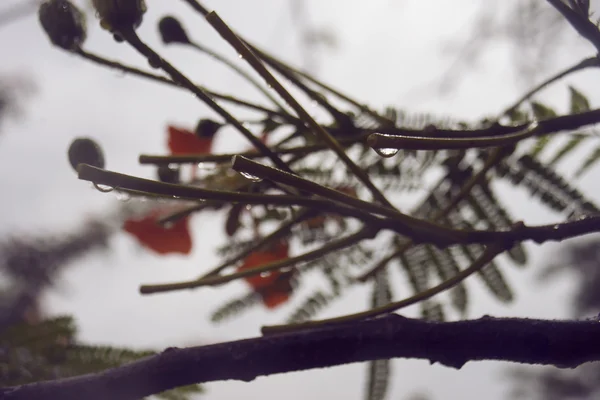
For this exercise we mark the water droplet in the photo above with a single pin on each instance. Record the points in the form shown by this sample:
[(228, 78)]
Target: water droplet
[(249, 207), (240, 56), (386, 152), (251, 177), (265, 274), (314, 104), (103, 188)]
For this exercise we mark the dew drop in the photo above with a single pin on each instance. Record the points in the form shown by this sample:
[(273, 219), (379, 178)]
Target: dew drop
[(265, 274), (251, 177), (240, 56), (103, 188), (386, 152)]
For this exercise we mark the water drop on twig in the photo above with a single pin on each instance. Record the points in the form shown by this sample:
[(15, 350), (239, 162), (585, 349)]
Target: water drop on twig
[(386, 152), (251, 177)]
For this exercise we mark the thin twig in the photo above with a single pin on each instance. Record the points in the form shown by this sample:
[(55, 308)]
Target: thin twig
[(272, 237), (132, 38), (273, 60), (488, 255), (383, 141), (186, 192), (240, 71), (277, 265), (194, 159), (241, 48), (563, 344), (587, 63), (163, 79), (493, 159)]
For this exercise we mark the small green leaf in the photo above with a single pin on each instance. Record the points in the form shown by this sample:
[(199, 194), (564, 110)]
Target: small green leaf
[(566, 149), (540, 144), (589, 162), (517, 116), (542, 111), (579, 103)]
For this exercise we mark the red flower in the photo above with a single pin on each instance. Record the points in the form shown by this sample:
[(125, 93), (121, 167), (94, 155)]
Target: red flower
[(182, 141), (279, 292), (274, 286), (174, 238)]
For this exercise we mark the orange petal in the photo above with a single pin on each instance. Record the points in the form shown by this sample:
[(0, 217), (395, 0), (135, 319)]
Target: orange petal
[(272, 299), (175, 238), (279, 292), (279, 251), (182, 141)]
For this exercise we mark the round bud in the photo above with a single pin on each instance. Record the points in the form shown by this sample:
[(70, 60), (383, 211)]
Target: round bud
[(120, 15), (207, 128), (167, 174), (85, 151), (63, 23), (171, 31)]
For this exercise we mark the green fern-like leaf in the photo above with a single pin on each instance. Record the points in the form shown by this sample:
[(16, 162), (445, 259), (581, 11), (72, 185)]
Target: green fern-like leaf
[(589, 162), (235, 307), (431, 310), (565, 150), (379, 370), (579, 103), (310, 307), (547, 181), (446, 266)]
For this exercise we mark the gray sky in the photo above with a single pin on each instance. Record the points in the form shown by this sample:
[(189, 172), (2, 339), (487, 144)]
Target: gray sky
[(386, 49)]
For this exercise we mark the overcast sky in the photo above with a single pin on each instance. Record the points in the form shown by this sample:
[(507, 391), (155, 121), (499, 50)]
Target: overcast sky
[(385, 50)]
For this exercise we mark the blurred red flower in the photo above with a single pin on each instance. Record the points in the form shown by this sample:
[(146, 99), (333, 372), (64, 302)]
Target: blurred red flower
[(162, 239)]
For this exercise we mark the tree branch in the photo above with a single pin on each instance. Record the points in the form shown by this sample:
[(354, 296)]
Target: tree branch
[(564, 344)]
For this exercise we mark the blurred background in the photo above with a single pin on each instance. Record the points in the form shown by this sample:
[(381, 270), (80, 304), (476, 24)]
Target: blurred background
[(463, 58)]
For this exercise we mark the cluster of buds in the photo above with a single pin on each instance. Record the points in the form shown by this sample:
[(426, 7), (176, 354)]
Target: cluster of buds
[(63, 22)]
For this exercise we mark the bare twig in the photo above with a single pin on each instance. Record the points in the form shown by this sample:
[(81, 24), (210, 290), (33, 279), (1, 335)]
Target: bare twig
[(247, 54), (564, 344)]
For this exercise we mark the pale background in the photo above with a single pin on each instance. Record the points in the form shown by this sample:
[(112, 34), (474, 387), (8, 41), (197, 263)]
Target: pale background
[(387, 50)]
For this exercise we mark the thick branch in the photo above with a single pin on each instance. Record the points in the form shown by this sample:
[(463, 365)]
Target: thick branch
[(565, 344)]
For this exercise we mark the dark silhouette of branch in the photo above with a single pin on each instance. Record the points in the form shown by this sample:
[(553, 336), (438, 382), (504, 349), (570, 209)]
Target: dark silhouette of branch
[(565, 344)]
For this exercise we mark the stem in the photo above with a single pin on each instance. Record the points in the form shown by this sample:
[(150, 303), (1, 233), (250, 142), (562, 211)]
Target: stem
[(132, 38), (278, 233), (587, 63), (489, 163), (488, 255), (272, 60), (194, 159), (408, 225), (288, 262), (161, 79), (240, 71), (383, 141), (237, 44), (168, 190)]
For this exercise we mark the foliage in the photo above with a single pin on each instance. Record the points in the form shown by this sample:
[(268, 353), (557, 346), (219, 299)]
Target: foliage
[(308, 211)]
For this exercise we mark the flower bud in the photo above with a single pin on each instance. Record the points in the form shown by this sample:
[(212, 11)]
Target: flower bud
[(63, 22), (85, 151), (171, 31), (207, 128), (120, 15), (167, 174)]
